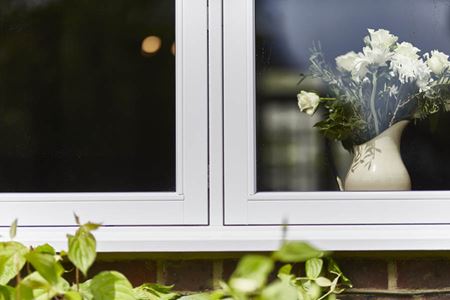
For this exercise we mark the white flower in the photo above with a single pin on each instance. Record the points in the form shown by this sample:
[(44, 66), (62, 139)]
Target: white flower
[(370, 56), (438, 62), (380, 39), (377, 56), (360, 70), (347, 61), (407, 49), (406, 63), (308, 102)]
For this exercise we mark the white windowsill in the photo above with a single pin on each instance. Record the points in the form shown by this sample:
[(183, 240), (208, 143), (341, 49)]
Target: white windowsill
[(243, 238)]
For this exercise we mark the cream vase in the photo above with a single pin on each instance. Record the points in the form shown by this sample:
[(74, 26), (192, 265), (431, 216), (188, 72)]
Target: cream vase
[(377, 164)]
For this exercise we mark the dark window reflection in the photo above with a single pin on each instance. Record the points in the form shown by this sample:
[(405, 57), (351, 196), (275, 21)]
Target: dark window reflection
[(291, 155), (87, 103)]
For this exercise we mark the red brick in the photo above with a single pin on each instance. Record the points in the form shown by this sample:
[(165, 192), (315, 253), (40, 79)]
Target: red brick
[(189, 275), (365, 272), (437, 297), (229, 265), (374, 297), (423, 273)]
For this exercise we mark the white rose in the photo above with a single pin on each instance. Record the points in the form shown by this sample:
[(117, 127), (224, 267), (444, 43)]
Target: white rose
[(407, 50), (308, 102), (438, 62), (347, 61), (381, 39)]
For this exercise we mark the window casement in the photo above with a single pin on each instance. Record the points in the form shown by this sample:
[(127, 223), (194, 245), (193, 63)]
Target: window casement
[(119, 204), (219, 187), (247, 200)]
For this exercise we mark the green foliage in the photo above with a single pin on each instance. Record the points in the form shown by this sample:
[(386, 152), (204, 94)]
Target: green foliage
[(111, 285), (297, 252), (13, 230), (47, 266), (82, 246), (341, 122), (321, 279), (149, 291), (251, 273), (44, 273), (12, 260)]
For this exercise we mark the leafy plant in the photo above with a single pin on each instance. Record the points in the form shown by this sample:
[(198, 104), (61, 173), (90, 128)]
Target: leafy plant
[(38, 274), (321, 279)]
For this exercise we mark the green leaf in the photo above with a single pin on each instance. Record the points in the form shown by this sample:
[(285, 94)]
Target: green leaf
[(279, 290), (12, 260), (312, 289), (313, 267), (111, 285), (13, 230), (36, 287), (251, 273), (151, 291), (46, 248), (77, 219), (334, 268), (91, 226), (7, 293), (33, 287), (82, 249), (323, 281), (202, 296), (85, 290), (297, 252), (286, 269), (72, 295), (46, 265), (331, 296)]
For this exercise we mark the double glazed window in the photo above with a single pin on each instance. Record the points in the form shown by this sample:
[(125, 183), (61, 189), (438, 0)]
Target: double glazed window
[(103, 111), (183, 112), (277, 166)]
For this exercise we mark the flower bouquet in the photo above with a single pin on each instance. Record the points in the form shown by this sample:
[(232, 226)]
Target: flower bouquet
[(372, 93)]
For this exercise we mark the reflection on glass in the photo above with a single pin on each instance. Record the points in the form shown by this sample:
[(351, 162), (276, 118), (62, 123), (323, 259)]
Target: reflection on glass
[(292, 156), (87, 98)]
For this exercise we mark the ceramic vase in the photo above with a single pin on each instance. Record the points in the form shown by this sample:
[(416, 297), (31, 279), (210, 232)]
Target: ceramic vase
[(377, 164)]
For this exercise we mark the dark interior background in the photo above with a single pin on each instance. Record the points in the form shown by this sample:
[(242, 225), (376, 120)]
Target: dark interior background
[(82, 108), (292, 156)]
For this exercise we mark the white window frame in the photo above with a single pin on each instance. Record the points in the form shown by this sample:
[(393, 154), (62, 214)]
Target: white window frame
[(188, 204), (245, 206), (239, 219)]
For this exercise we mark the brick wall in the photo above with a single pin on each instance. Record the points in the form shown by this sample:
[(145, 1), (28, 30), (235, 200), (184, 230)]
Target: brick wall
[(375, 275)]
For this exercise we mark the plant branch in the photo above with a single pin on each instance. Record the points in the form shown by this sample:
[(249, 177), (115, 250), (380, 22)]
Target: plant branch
[(372, 103), (399, 105), (77, 279)]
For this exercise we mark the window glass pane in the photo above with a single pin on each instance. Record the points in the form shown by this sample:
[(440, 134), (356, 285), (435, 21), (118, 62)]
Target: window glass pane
[(291, 154), (87, 95)]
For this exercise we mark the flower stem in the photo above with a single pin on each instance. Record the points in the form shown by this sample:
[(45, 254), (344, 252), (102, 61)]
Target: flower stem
[(372, 103)]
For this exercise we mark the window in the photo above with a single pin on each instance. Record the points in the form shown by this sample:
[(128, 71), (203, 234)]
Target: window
[(277, 168), (101, 113), (152, 116)]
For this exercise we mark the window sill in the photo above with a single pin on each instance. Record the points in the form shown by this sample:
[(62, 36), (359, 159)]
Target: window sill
[(247, 238)]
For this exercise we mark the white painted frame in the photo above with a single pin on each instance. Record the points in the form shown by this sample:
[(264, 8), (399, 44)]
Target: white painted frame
[(245, 206), (188, 205), (220, 237)]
